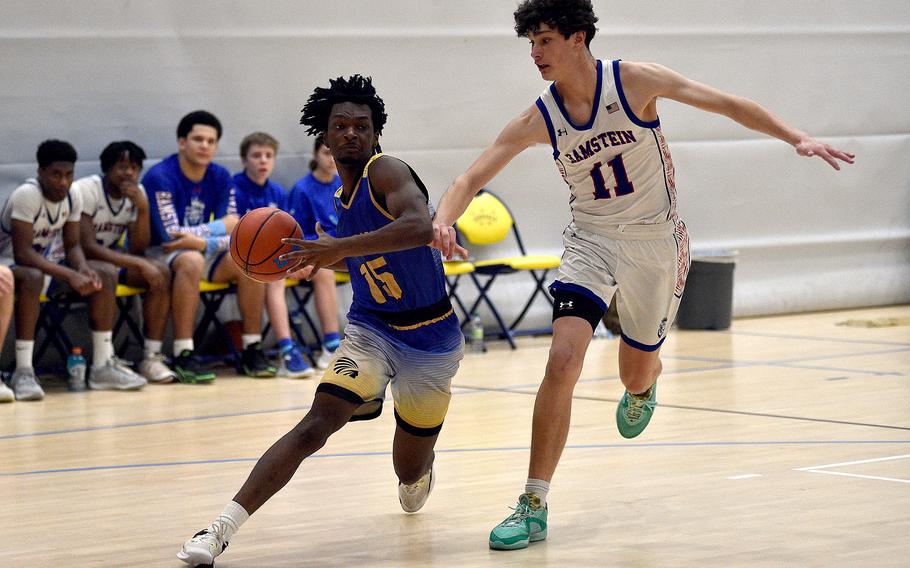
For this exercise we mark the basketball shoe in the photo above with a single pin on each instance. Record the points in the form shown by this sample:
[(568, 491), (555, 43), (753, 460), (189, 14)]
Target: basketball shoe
[(634, 412), (412, 497), (527, 524), (6, 393), (205, 545), (190, 370), (255, 364)]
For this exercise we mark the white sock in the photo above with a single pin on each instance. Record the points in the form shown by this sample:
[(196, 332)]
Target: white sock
[(152, 347), (233, 516), (102, 348), (251, 338), (24, 351), (181, 345), (538, 487)]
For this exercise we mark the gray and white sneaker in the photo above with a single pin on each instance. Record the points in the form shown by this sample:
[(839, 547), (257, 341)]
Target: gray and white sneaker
[(412, 497), (26, 385), (205, 545), (6, 394), (155, 370), (115, 375), (324, 359)]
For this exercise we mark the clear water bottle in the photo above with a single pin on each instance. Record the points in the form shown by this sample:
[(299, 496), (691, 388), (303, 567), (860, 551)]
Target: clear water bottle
[(75, 368), (477, 345)]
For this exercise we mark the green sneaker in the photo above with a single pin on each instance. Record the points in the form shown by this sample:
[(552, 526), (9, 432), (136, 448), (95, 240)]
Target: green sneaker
[(634, 412), (190, 370), (527, 524)]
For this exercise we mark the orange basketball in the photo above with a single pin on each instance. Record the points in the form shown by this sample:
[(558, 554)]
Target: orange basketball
[(256, 243)]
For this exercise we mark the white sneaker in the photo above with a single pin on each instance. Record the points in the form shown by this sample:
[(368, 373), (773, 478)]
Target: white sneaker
[(6, 394), (412, 497), (26, 385), (115, 375), (205, 545), (324, 359), (155, 370)]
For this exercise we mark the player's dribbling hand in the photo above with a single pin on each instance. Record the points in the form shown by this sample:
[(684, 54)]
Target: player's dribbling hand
[(810, 147), (321, 253), (444, 240)]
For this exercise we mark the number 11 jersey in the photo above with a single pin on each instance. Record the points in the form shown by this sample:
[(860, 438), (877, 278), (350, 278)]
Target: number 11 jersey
[(618, 167)]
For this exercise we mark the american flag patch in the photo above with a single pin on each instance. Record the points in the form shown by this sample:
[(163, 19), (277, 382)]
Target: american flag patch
[(612, 107)]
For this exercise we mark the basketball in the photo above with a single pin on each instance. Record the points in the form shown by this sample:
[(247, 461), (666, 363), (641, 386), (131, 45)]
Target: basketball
[(256, 243)]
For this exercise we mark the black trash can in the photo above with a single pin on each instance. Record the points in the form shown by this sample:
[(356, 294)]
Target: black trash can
[(707, 301)]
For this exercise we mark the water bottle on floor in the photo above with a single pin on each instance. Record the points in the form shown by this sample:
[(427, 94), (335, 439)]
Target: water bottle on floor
[(477, 345), (75, 368)]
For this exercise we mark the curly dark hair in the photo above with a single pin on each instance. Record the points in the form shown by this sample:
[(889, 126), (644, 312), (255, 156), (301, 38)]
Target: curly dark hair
[(355, 89), (121, 150), (567, 16)]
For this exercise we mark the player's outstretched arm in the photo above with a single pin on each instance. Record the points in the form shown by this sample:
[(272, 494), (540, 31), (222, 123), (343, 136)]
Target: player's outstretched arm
[(651, 80), (520, 133)]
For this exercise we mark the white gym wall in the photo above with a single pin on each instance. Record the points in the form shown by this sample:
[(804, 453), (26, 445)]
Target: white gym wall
[(453, 73)]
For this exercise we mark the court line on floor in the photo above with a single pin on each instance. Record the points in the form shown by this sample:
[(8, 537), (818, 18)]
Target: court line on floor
[(463, 451), (721, 364), (512, 390), (800, 362), (824, 469), (153, 422), (813, 338)]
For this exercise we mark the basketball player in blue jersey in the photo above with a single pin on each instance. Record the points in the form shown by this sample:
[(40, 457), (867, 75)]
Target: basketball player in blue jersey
[(255, 189), (401, 330), (626, 243), (193, 211)]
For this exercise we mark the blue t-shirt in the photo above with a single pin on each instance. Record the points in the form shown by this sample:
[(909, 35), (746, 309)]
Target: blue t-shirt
[(177, 203), (310, 201), (252, 196)]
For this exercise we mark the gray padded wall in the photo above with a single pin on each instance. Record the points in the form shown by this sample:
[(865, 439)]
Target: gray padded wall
[(452, 74)]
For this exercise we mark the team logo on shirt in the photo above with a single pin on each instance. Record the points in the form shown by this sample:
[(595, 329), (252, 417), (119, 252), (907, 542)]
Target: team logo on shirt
[(195, 212)]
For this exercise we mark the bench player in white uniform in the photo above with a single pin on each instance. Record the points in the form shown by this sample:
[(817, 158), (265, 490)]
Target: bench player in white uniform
[(600, 118), (39, 240), (115, 207)]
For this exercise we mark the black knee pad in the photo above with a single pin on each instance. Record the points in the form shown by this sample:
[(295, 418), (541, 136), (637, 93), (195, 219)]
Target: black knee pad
[(567, 303)]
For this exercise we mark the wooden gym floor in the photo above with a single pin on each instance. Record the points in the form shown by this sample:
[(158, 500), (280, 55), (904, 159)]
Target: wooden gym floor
[(784, 441)]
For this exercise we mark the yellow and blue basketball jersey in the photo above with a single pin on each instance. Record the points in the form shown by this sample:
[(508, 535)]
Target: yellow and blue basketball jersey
[(400, 294)]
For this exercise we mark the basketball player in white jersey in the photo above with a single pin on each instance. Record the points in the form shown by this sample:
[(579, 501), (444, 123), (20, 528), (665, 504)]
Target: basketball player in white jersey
[(115, 209), (625, 243), (39, 241)]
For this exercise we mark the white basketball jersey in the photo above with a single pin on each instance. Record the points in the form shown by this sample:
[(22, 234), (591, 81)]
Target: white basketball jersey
[(109, 216), (27, 203), (617, 166)]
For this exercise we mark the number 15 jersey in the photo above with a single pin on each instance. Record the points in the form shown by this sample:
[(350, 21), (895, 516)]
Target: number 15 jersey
[(618, 167), (400, 294)]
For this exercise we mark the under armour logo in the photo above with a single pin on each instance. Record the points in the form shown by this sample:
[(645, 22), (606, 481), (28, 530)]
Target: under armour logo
[(561, 132), (565, 305)]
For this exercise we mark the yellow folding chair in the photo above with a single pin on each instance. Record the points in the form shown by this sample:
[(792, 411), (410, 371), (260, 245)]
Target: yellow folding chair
[(488, 221)]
